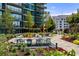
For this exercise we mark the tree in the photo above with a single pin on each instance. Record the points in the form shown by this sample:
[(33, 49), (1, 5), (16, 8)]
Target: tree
[(49, 24), (73, 20), (29, 21), (8, 20)]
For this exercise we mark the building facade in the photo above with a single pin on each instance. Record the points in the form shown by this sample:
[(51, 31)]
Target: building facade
[(18, 12), (60, 22)]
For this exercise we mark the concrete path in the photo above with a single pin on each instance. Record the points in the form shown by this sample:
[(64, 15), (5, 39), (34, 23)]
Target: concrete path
[(64, 44)]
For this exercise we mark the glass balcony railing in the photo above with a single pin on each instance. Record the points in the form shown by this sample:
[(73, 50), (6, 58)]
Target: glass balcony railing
[(41, 5), (17, 4)]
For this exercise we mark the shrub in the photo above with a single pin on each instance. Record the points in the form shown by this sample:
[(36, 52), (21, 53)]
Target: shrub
[(25, 35), (33, 53), (77, 35), (76, 41), (71, 53), (13, 50), (3, 37), (9, 36), (58, 53), (66, 37)]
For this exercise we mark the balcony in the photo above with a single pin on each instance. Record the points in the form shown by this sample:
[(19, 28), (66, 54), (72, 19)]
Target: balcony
[(42, 6), (42, 12), (15, 4), (38, 16)]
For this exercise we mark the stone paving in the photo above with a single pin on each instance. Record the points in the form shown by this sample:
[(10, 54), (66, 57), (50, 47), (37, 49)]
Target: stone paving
[(64, 44)]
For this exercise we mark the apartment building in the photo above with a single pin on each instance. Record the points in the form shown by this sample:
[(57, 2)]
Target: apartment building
[(18, 12), (61, 22)]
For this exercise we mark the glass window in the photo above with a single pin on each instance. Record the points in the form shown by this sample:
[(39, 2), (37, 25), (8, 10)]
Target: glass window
[(0, 12), (0, 5), (60, 21), (14, 8), (16, 23), (33, 13), (32, 7), (17, 17), (61, 18), (27, 5), (19, 4)]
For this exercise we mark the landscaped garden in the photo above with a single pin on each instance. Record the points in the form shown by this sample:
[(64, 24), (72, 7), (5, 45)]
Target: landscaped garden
[(74, 38), (21, 49), (10, 49), (73, 32)]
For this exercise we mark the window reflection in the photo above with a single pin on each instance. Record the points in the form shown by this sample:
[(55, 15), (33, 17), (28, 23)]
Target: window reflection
[(17, 17), (0, 12), (14, 8), (0, 5)]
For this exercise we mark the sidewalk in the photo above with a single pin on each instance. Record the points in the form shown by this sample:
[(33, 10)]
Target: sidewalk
[(64, 44)]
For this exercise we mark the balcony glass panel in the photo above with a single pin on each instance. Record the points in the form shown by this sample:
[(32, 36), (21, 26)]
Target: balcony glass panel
[(0, 5), (14, 8)]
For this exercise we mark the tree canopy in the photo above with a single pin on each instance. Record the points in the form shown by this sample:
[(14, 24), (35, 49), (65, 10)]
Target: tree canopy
[(49, 24), (73, 20), (29, 20), (6, 20)]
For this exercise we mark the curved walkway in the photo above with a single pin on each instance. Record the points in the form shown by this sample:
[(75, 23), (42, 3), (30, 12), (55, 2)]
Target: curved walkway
[(64, 44)]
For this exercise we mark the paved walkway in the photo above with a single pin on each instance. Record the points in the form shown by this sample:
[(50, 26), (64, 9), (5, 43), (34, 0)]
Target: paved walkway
[(64, 44)]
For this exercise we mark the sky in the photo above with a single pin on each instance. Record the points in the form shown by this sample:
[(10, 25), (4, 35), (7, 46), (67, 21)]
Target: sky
[(62, 8)]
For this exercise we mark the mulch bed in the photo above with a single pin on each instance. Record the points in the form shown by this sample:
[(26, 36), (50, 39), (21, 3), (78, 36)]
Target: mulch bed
[(68, 39), (59, 49)]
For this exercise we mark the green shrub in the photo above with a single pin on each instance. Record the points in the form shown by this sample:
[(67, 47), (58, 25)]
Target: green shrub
[(58, 53), (71, 53), (33, 53), (77, 35), (3, 37), (13, 50), (9, 36), (76, 41)]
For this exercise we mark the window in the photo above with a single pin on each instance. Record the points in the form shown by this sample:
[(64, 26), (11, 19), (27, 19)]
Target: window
[(61, 18), (60, 26), (27, 5), (14, 8), (31, 6), (0, 5), (17, 17), (16, 23), (60, 21), (0, 12), (19, 4), (33, 13)]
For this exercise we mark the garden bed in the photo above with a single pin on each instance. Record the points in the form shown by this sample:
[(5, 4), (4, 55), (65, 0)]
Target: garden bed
[(43, 52), (71, 38)]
